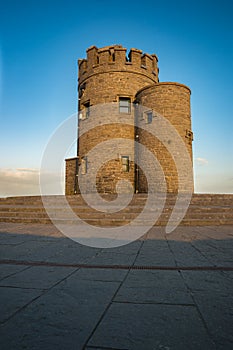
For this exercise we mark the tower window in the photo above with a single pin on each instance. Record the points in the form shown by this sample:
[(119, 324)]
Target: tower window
[(149, 117), (189, 136), (125, 163), (87, 110), (124, 105), (111, 55)]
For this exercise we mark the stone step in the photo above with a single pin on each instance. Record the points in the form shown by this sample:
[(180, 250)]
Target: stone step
[(137, 207), (203, 210), (111, 223), (129, 212), (88, 213), (199, 199), (213, 214)]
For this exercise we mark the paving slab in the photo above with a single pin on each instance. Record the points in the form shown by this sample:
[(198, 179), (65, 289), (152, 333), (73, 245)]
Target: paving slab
[(62, 318), (212, 293), (12, 239), (154, 287), (7, 270), (218, 252), (144, 326), (185, 254), (217, 312), (101, 274), (155, 253), (13, 300), (161, 292), (37, 277), (29, 250), (109, 257)]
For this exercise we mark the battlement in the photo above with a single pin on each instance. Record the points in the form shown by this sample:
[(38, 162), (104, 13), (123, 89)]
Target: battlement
[(115, 58)]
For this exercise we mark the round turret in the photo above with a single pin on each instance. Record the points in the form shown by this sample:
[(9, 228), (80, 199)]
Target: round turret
[(109, 76), (172, 101)]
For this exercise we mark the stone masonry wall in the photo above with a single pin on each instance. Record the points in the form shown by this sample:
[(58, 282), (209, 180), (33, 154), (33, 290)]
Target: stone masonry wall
[(171, 100), (71, 171), (105, 76)]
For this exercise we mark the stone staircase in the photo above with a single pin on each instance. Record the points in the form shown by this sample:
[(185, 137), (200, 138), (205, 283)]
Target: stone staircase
[(204, 209)]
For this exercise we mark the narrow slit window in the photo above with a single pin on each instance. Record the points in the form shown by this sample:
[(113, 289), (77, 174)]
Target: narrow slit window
[(86, 110), (124, 105), (111, 55), (149, 117), (125, 163), (84, 165)]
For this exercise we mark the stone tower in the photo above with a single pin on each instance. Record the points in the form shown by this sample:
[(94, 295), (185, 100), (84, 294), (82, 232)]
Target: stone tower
[(107, 76)]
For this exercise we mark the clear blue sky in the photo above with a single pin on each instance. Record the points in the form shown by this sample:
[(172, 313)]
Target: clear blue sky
[(40, 42)]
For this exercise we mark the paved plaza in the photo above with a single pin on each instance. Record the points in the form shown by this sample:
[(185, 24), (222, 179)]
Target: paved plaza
[(160, 292)]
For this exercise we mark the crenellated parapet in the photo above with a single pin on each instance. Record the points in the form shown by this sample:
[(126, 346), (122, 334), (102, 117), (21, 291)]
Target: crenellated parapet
[(115, 58)]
